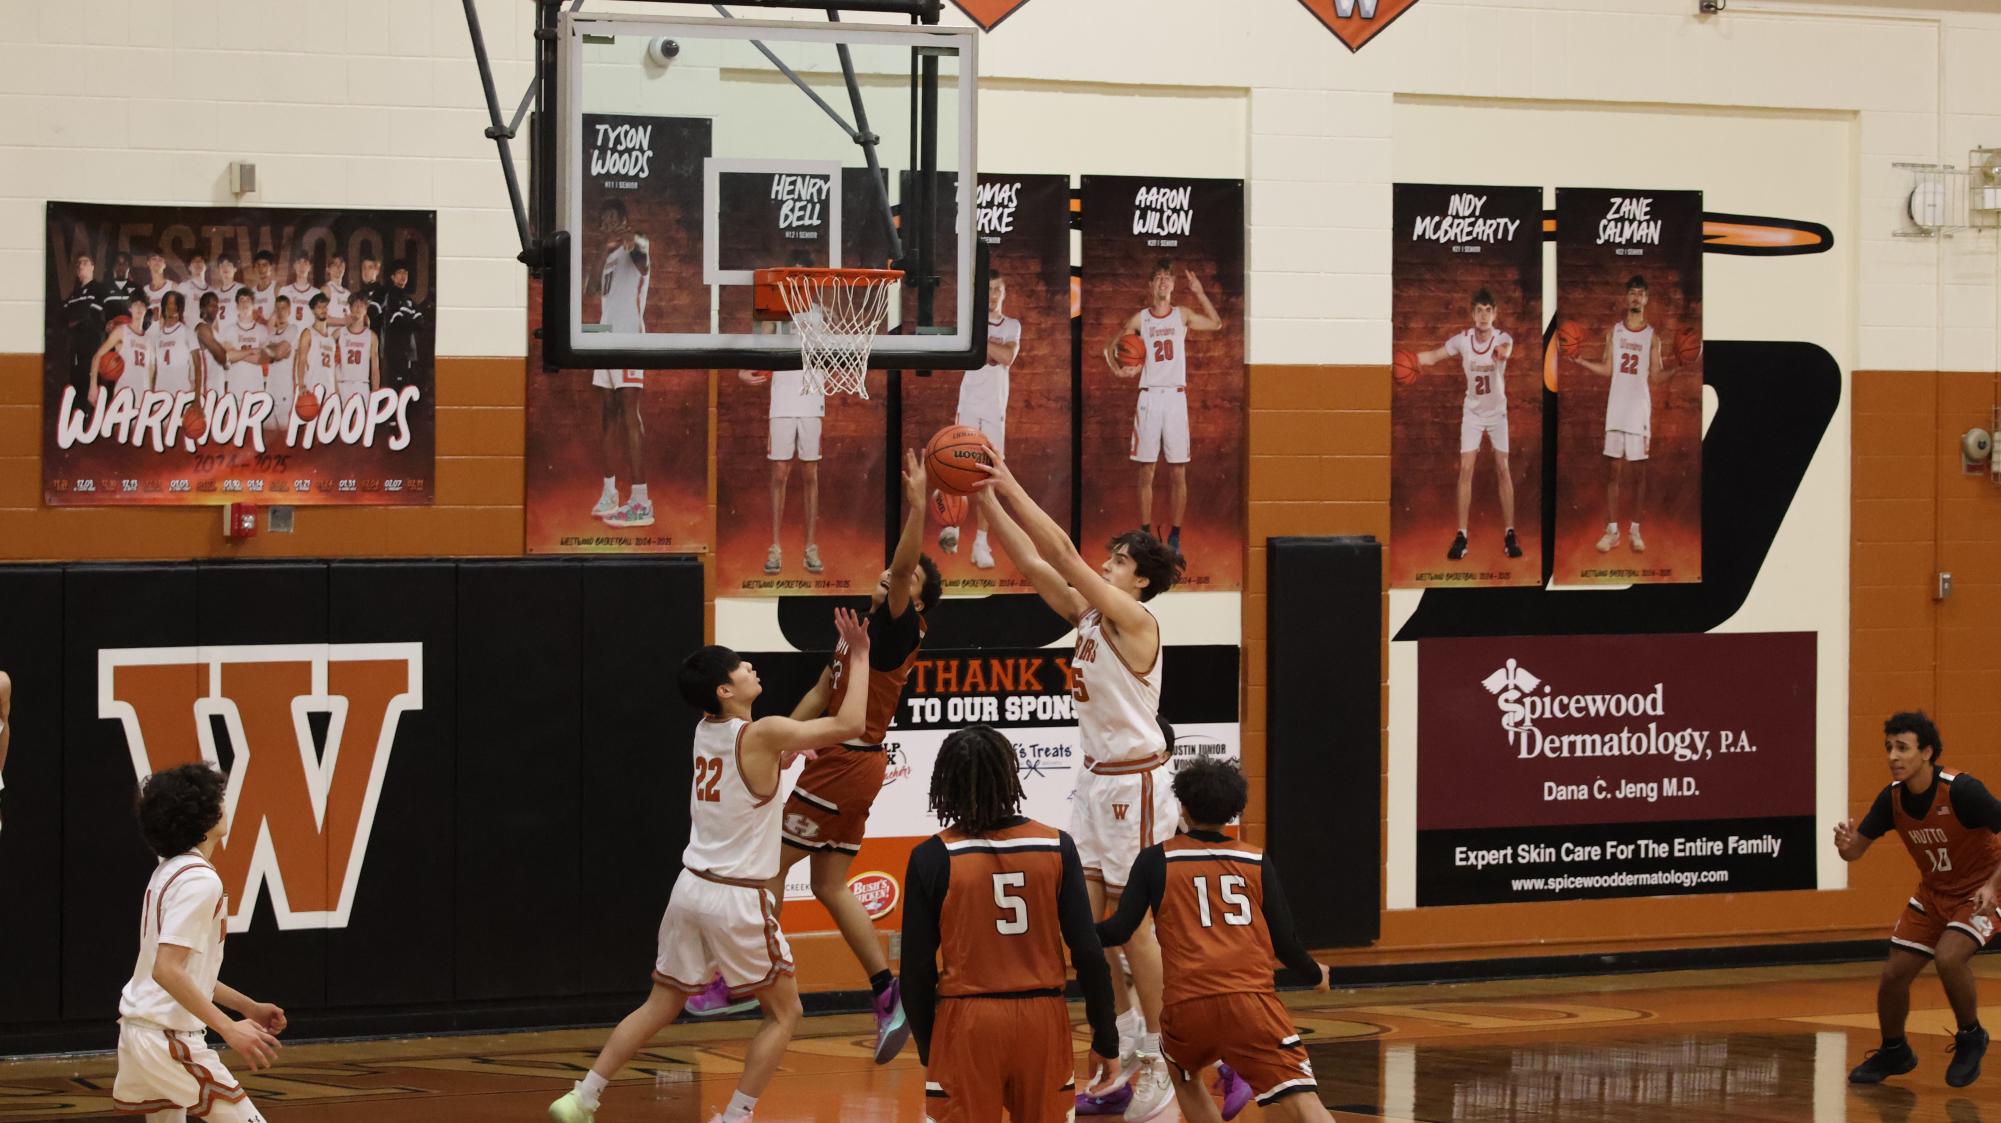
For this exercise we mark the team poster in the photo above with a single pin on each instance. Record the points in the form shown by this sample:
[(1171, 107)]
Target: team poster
[(618, 460), (211, 355), (1466, 430), (1163, 362), (1021, 398), (1629, 383)]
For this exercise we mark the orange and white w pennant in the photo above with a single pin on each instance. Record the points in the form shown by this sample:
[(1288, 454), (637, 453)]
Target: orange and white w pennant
[(988, 13), (1355, 22)]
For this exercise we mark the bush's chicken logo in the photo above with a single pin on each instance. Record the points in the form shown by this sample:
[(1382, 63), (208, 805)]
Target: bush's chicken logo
[(877, 891), (299, 813), (1355, 22)]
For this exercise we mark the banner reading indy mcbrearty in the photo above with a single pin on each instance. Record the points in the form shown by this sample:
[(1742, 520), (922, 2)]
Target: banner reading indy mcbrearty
[(1607, 766), (197, 355)]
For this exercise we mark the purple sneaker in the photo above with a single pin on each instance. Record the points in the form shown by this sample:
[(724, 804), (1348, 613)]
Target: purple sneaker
[(1111, 1103), (1235, 1089), (891, 1030), (715, 1001)]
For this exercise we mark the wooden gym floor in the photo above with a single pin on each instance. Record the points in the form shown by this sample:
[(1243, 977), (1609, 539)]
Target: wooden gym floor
[(1762, 1044)]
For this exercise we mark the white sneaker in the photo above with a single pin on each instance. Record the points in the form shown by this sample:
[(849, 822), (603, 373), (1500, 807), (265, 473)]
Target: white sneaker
[(570, 1109), (1610, 540), (812, 560), (1153, 1092), (774, 559), (1633, 539), (607, 503), (983, 556), (634, 514), (948, 539)]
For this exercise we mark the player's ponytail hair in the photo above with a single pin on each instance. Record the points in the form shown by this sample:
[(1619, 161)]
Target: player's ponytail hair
[(975, 785)]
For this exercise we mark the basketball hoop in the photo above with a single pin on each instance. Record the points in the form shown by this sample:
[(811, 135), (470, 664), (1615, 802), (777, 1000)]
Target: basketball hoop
[(836, 312)]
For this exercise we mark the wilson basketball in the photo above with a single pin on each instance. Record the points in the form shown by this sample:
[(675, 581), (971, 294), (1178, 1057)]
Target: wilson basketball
[(947, 508), (308, 406), (1570, 338), (194, 422), (1404, 366), (1688, 347), (951, 456), (111, 366), (1132, 350)]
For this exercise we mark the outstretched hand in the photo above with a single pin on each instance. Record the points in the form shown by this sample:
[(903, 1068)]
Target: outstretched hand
[(1194, 285), (916, 481), (853, 630), (999, 477)]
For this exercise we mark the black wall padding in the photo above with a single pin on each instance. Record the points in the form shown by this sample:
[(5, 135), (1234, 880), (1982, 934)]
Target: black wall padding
[(31, 933), (639, 621), (1323, 722)]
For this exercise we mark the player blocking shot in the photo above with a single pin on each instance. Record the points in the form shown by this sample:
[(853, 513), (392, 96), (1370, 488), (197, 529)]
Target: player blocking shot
[(1951, 824), (998, 897), (720, 918), (1483, 352)]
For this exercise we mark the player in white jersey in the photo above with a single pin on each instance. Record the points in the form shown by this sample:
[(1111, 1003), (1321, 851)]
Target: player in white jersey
[(794, 415), (177, 355), (126, 336), (336, 289), (621, 282), (1120, 805), (720, 916), (243, 339), (360, 364), (166, 1070), (301, 293), (192, 289), (1160, 421), (226, 286), (1634, 361), (1483, 352), (157, 285), (983, 397), (316, 356), (264, 283), (281, 338)]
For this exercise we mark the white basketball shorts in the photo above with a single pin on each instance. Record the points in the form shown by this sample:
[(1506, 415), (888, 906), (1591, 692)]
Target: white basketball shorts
[(794, 438), (1113, 818), (1161, 424), (163, 1070), (1471, 428), (710, 926), (1621, 445)]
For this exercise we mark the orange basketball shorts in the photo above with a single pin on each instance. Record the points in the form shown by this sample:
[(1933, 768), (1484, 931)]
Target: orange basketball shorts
[(1928, 917), (994, 1055), (1251, 1033), (829, 806)]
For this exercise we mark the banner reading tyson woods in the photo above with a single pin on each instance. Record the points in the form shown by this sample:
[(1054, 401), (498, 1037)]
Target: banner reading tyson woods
[(1558, 767), (1163, 304), (1466, 405), (1024, 693), (1629, 414), (199, 355), (617, 460)]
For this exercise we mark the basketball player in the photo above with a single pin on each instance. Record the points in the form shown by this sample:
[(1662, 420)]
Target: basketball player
[(795, 413), (157, 285), (1222, 918), (264, 280), (243, 338), (83, 321), (1949, 822), (827, 815), (1634, 361), (226, 286), (193, 288), (336, 289), (360, 367), (983, 402), (999, 896), (301, 292), (1160, 422), (177, 355), (316, 355), (119, 284), (622, 282), (166, 1070), (1118, 808), (1483, 354), (280, 340), (214, 355), (719, 916), (127, 336)]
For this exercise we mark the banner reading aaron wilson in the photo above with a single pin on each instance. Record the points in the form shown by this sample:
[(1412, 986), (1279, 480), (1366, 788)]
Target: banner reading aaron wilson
[(1629, 385), (1558, 767), (1163, 431), (618, 460), (161, 386), (1466, 405)]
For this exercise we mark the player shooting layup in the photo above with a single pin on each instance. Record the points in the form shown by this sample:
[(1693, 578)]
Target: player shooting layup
[(1160, 422), (622, 282), (1483, 353)]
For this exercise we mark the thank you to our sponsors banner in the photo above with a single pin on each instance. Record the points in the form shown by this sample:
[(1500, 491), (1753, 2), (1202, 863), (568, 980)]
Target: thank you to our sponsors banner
[(1552, 768)]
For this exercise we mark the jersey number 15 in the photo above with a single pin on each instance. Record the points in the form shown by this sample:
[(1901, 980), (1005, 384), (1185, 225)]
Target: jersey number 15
[(1230, 887)]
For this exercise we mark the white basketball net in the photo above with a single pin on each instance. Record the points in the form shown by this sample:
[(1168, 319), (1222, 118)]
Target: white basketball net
[(837, 320)]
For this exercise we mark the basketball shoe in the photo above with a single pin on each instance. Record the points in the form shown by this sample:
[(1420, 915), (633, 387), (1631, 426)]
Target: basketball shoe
[(607, 503), (1458, 549), (774, 559), (1968, 1046), (1890, 1060), (983, 554), (948, 540), (714, 1001), (638, 512), (1235, 1090), (891, 1028), (1152, 1091), (1610, 539), (813, 564), (1510, 545), (1634, 540), (570, 1109)]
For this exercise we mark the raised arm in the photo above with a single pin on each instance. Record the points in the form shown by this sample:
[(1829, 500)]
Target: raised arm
[(771, 742), (1049, 585), (1207, 319), (1054, 546), (814, 702), (910, 543)]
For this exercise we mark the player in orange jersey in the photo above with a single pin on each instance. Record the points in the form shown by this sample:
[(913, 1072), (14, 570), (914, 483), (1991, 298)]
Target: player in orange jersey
[(1220, 916), (998, 897), (1949, 821)]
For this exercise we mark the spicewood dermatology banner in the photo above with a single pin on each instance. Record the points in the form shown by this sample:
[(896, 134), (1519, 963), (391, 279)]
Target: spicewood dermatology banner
[(1559, 767)]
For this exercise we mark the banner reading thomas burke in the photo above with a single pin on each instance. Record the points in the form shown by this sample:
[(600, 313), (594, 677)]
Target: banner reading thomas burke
[(1163, 362), (1629, 383), (1466, 419), (618, 460), (211, 355)]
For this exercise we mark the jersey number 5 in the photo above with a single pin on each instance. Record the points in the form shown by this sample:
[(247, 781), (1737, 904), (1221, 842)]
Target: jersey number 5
[(708, 773), (1015, 920), (1230, 887)]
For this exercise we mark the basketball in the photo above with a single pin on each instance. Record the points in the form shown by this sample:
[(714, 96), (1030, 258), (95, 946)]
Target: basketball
[(1404, 366), (951, 456), (949, 509), (308, 406), (194, 422), (1132, 350), (1688, 347), (1570, 338), (111, 366)]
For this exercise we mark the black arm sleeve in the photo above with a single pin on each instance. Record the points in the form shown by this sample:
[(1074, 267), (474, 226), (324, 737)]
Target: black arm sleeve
[(1087, 955), (1144, 886), (925, 882), (891, 638), (1880, 818), (1284, 941), (1974, 805)]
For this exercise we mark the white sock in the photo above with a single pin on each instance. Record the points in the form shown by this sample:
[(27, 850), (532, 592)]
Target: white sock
[(589, 1088), (1149, 1043), (740, 1108), (639, 493), (1462, 530), (1635, 526), (1611, 528), (979, 538), (611, 487)]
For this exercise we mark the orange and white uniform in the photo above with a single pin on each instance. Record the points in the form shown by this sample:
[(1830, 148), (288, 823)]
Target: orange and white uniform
[(1122, 803)]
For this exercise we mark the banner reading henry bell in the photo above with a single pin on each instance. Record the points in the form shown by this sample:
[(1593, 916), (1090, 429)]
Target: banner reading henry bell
[(1558, 767), (200, 355), (1466, 417)]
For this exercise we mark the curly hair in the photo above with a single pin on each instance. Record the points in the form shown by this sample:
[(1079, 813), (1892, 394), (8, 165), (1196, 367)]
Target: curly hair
[(934, 583), (975, 785), (1212, 791), (1919, 723), (1153, 559), (177, 807)]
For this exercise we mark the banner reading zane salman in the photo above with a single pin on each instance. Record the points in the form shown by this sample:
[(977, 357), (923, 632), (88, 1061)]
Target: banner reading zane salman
[(1559, 767), (208, 355)]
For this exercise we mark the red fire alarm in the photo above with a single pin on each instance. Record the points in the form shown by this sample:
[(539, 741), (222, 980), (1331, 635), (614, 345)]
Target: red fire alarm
[(239, 521)]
